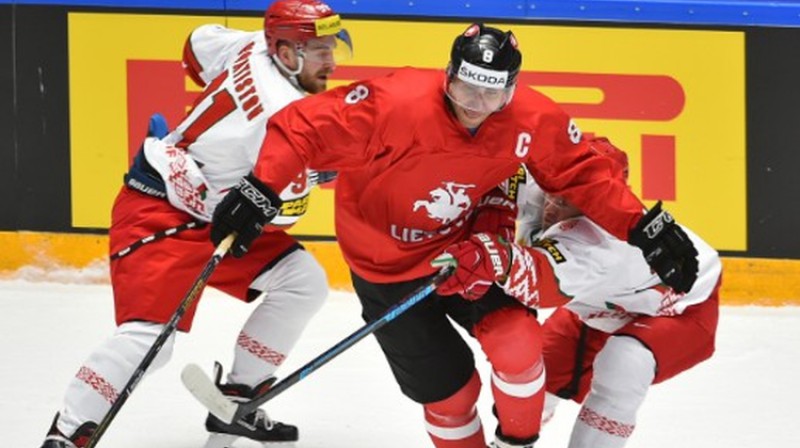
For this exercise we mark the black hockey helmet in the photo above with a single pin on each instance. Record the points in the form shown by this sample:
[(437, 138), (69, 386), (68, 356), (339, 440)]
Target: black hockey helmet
[(485, 56), (483, 69)]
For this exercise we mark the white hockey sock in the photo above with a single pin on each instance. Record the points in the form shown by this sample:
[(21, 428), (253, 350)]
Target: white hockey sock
[(295, 289), (623, 372), (551, 401), (106, 372)]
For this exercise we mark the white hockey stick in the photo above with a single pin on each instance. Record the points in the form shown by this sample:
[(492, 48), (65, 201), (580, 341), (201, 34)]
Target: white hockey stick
[(204, 389)]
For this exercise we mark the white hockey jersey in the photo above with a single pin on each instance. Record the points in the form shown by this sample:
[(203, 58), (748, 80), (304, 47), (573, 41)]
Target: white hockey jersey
[(530, 199), (218, 142), (603, 279)]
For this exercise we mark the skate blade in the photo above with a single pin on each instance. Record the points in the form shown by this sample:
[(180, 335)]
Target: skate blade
[(218, 440)]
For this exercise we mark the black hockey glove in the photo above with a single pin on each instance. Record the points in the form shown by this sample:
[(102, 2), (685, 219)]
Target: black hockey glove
[(667, 248), (244, 210)]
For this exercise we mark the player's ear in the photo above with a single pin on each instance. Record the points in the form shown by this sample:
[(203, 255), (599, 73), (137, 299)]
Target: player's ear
[(287, 54)]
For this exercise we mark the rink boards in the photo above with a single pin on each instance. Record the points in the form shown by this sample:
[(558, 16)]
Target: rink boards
[(706, 112), (746, 281)]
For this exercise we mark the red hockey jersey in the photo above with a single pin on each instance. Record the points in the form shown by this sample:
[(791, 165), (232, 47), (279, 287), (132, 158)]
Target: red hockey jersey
[(411, 175)]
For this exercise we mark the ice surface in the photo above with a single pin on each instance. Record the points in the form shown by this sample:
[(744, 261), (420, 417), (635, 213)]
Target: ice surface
[(744, 397)]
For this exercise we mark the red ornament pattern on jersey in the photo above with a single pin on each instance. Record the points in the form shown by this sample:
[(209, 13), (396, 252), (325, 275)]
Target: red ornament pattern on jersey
[(668, 301), (98, 383), (190, 195), (605, 424), (260, 350), (522, 281)]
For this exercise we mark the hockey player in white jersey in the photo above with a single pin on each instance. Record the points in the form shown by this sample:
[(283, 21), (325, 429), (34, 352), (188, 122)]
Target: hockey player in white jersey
[(617, 329), (159, 240)]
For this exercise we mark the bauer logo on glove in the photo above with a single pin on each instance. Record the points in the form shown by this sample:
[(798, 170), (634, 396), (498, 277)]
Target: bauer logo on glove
[(479, 261), (494, 254)]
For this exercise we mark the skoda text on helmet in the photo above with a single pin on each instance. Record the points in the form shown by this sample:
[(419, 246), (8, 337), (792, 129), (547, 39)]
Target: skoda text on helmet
[(298, 21), (483, 69)]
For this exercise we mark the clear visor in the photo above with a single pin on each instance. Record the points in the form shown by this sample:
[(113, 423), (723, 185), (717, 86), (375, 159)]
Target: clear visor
[(478, 99), (556, 209), (333, 49)]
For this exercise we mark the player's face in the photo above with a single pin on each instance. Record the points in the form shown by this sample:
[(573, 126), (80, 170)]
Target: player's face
[(318, 64), (557, 209), (474, 104), (469, 118)]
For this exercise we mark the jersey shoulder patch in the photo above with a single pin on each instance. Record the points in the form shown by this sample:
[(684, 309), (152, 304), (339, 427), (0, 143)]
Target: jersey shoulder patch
[(549, 245)]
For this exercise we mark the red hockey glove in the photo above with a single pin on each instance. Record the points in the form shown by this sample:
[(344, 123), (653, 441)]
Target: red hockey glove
[(480, 261), (667, 248), (496, 213)]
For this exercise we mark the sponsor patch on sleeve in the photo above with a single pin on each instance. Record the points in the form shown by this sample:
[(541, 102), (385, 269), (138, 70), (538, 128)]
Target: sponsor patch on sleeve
[(549, 245), (296, 207)]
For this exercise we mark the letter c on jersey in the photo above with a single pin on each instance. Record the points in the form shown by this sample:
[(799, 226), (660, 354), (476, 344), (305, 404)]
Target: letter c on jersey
[(523, 144)]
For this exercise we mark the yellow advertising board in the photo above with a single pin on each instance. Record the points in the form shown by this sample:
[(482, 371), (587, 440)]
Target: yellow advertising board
[(677, 107)]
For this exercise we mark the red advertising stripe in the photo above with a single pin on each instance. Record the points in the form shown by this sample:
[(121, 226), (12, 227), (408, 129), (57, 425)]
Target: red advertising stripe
[(625, 96), (160, 86), (154, 86), (658, 167)]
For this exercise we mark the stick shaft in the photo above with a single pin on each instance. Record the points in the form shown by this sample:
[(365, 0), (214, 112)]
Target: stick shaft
[(190, 297), (392, 313)]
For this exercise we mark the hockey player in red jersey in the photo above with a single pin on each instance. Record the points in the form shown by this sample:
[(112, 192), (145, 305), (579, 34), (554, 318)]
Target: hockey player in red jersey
[(417, 152), (620, 329), (158, 238)]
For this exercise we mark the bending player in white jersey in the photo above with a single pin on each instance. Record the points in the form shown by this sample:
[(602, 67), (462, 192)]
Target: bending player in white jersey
[(617, 329), (159, 241)]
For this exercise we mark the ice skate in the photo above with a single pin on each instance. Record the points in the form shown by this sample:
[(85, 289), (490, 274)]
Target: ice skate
[(56, 439), (502, 441), (256, 426)]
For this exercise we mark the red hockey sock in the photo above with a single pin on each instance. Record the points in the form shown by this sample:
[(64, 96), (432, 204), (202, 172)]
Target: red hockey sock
[(512, 339), (454, 421)]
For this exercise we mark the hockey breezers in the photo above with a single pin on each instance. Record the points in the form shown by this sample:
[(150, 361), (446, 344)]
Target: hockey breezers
[(155, 237), (191, 296), (205, 391)]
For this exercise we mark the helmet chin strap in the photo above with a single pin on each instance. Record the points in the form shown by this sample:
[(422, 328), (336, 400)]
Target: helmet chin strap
[(290, 74)]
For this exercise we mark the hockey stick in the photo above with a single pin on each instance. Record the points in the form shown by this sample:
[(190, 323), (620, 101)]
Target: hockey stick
[(169, 328), (205, 391), (155, 237)]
